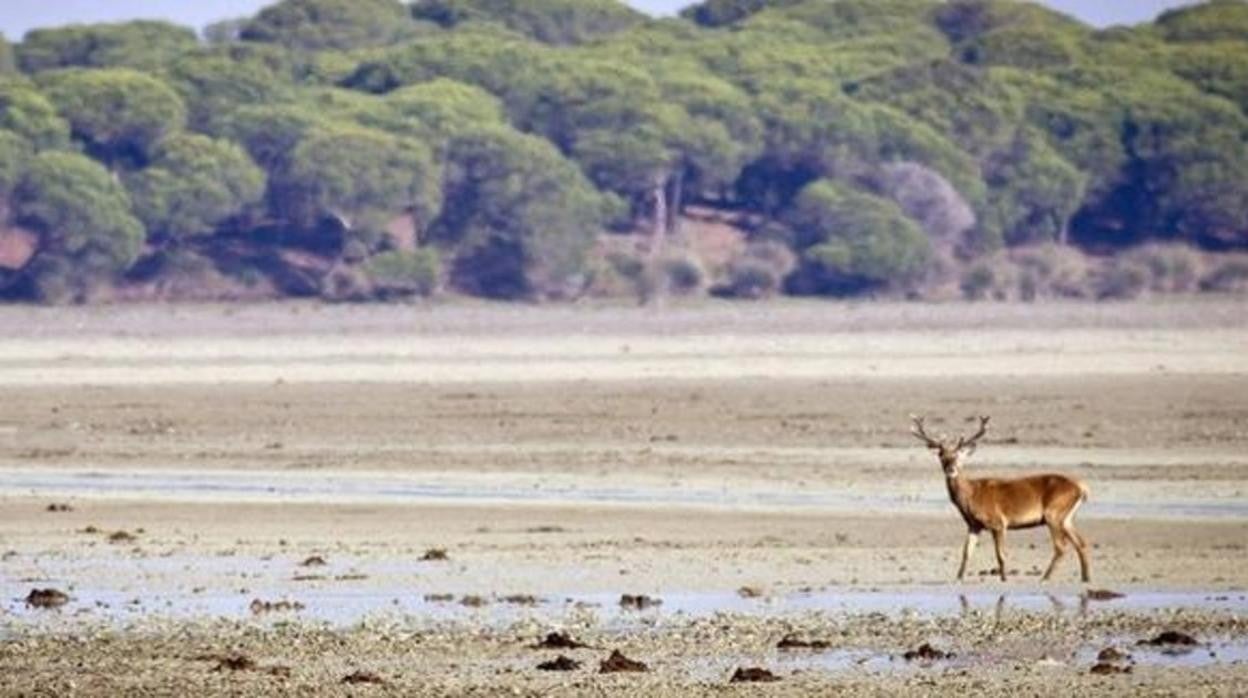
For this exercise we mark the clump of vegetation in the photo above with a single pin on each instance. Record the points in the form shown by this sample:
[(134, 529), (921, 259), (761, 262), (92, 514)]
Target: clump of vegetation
[(398, 274), (759, 272)]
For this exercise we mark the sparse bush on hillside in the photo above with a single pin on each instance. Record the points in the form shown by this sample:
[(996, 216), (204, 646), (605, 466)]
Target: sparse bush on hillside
[(1227, 276), (759, 272), (1171, 268), (397, 274)]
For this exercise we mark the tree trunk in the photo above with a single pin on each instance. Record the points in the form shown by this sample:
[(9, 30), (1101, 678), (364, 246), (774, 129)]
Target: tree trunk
[(677, 203), (658, 233)]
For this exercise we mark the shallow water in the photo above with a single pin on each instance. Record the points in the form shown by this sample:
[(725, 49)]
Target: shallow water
[(406, 489)]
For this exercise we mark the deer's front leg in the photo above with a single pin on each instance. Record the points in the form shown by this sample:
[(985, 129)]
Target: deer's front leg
[(968, 548)]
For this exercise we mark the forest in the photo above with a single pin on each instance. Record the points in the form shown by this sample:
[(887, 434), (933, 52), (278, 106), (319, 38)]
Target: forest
[(547, 150)]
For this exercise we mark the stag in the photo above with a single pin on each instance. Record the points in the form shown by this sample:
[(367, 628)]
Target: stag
[(999, 505)]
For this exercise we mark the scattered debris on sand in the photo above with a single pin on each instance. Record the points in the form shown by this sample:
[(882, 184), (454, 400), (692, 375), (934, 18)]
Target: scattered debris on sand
[(58, 508), (752, 675), (926, 653), (639, 602), (559, 641), (236, 662), (314, 561), (1112, 654), (90, 529), (749, 592), (1105, 668), (793, 642), (617, 662), (560, 663), (122, 537), (46, 598), (521, 599), (283, 672), (257, 606), (1171, 638), (1102, 595), (546, 529), (361, 676), (433, 554), (439, 598), (473, 601)]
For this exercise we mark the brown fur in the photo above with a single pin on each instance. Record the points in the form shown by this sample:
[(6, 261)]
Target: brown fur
[(999, 505)]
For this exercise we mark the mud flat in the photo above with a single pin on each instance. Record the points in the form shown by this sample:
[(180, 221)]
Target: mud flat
[(296, 499)]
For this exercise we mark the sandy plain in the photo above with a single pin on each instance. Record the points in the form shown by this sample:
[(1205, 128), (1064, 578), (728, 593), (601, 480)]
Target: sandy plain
[(748, 465)]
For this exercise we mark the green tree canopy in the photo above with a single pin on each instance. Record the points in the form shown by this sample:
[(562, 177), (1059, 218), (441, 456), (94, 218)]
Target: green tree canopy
[(193, 184), (140, 44), (851, 240), (27, 112), (8, 63), (118, 113), (1212, 20), (550, 21), (330, 24), (82, 214), (14, 151), (359, 176), (521, 216)]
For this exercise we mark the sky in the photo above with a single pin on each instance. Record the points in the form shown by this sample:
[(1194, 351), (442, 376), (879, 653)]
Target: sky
[(18, 16)]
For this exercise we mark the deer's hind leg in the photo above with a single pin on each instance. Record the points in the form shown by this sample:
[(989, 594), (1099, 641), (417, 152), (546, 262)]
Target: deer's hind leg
[(1081, 545), (1059, 536)]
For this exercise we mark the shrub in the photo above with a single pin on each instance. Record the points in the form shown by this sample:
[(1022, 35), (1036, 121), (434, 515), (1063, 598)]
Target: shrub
[(759, 272), (1229, 276), (1122, 279), (683, 275), (1171, 268), (404, 273)]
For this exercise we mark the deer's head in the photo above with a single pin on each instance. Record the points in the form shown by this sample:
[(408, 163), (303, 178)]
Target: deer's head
[(951, 452)]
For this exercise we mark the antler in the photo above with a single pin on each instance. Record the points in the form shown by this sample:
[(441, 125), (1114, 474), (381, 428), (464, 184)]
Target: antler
[(974, 440), (921, 433)]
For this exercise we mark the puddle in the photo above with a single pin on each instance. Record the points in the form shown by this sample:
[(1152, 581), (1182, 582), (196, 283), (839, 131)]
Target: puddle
[(240, 486), (1218, 651), (351, 590)]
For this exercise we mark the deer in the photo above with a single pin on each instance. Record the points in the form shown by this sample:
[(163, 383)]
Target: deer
[(1000, 505)]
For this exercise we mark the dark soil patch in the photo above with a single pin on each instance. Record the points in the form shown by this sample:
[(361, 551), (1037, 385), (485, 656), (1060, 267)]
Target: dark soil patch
[(559, 641), (546, 529), (121, 537), (439, 598), (46, 598), (473, 601), (752, 675), (360, 676), (1171, 638), (58, 508), (90, 529), (792, 642), (236, 662), (748, 592), (639, 602), (1105, 668), (926, 653), (560, 663), (435, 554), (617, 662), (314, 561)]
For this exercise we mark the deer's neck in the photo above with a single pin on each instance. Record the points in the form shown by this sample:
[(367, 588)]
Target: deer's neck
[(960, 490)]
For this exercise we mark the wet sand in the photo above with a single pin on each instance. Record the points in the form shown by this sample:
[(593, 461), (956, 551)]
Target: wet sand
[(758, 478)]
